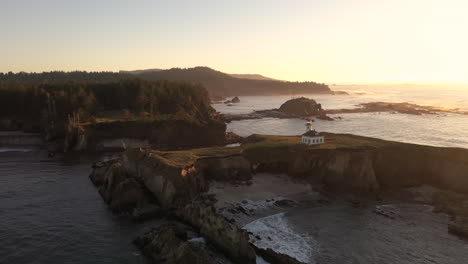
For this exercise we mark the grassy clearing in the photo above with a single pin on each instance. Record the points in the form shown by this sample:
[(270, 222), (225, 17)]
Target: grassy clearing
[(184, 158), (265, 148)]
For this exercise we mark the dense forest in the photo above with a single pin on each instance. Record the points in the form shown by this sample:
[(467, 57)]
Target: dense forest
[(31, 106), (217, 83)]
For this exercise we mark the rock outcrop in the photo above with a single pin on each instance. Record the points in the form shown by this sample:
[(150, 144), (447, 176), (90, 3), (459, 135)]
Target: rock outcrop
[(302, 107), (294, 108), (340, 93), (456, 205), (168, 244), (234, 100), (276, 257), (176, 181), (459, 227), (226, 236), (124, 193), (172, 184)]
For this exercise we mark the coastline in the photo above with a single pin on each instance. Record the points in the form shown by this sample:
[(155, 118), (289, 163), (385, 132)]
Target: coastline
[(346, 171)]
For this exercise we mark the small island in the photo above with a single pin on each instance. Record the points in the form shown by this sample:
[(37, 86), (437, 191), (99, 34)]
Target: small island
[(295, 108)]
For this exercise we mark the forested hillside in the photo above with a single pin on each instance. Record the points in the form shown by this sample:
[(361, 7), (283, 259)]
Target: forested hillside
[(218, 84), (30, 106)]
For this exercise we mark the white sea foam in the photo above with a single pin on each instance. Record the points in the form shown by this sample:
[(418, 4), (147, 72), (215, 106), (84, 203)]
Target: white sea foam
[(197, 240), (260, 260), (276, 233)]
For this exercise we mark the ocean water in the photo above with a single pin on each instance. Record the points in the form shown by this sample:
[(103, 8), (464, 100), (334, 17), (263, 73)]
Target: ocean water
[(51, 213), (340, 233), (446, 130)]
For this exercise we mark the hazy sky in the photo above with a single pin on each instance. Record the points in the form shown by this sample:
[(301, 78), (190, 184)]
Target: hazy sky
[(321, 40)]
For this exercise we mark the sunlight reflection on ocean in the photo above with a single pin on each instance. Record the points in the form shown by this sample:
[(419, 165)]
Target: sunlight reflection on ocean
[(448, 130)]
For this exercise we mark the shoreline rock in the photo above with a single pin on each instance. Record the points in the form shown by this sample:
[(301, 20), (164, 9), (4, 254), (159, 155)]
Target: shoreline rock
[(178, 181), (178, 188), (401, 108), (234, 100), (124, 194), (459, 227), (372, 107), (169, 244)]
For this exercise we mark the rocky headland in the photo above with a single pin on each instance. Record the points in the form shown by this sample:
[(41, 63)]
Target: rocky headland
[(217, 192)]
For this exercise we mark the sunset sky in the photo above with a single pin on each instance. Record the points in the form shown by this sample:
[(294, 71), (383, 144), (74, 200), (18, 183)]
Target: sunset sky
[(319, 40)]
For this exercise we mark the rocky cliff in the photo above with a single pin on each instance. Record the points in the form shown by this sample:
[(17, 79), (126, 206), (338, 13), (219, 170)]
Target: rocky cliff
[(362, 164), (177, 181), (146, 182)]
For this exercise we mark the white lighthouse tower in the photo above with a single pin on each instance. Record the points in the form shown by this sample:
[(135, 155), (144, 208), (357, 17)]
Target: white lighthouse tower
[(312, 137), (308, 126)]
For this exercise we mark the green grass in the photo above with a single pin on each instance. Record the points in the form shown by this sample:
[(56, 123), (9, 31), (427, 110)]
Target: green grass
[(332, 141), (267, 148)]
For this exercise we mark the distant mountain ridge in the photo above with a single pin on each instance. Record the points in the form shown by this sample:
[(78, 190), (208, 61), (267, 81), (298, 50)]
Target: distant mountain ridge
[(218, 84), (221, 84), (139, 71), (253, 77)]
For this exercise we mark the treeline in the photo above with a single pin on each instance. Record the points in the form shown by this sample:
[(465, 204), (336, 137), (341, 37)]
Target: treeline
[(61, 77), (217, 83), (32, 106)]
